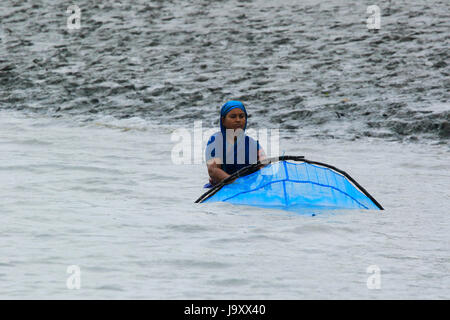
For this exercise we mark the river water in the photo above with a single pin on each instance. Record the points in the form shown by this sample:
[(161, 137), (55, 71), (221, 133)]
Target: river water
[(103, 196), (87, 119)]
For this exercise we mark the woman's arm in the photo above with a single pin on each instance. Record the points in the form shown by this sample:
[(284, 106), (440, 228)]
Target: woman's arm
[(216, 174)]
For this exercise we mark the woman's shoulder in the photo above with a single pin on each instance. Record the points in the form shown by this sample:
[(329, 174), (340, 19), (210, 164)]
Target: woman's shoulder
[(213, 137), (251, 139)]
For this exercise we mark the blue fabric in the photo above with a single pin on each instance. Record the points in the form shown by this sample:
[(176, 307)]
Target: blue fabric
[(234, 166), (232, 162), (295, 187)]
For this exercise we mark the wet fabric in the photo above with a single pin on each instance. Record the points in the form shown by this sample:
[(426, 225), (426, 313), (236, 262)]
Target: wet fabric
[(233, 156)]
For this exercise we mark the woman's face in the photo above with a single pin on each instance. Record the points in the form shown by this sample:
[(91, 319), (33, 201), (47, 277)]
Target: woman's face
[(235, 119)]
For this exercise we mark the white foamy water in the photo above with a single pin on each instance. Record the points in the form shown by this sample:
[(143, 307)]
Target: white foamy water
[(105, 196)]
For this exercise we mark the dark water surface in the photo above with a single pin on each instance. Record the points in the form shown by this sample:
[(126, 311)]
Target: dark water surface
[(308, 65)]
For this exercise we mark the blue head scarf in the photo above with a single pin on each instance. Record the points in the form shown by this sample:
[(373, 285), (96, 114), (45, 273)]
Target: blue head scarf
[(227, 107)]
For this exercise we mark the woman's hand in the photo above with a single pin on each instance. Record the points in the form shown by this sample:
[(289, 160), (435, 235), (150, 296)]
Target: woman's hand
[(215, 172)]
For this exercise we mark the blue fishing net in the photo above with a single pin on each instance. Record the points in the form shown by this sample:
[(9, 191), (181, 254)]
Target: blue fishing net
[(293, 186)]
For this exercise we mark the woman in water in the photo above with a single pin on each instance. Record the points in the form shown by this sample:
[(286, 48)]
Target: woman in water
[(230, 149)]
